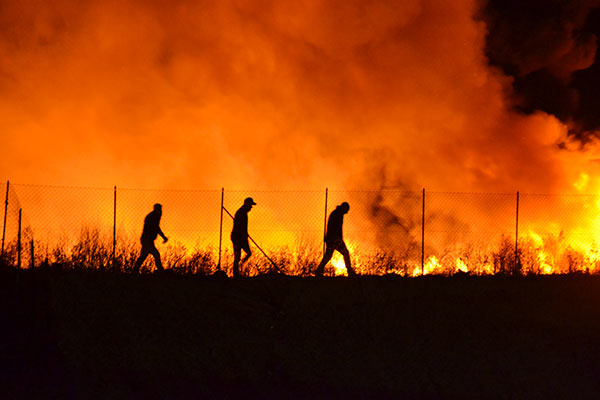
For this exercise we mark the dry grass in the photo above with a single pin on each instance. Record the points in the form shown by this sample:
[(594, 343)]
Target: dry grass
[(92, 249)]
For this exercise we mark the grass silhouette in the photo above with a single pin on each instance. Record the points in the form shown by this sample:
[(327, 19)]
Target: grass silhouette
[(92, 249)]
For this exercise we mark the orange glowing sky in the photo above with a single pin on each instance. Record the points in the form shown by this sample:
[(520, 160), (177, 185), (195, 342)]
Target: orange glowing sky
[(269, 94)]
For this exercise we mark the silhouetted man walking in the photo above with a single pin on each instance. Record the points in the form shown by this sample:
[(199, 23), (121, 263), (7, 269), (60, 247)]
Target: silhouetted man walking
[(334, 239), (239, 235), (149, 234)]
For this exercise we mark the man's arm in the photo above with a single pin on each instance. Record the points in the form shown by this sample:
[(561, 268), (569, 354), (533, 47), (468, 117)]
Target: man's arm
[(160, 232)]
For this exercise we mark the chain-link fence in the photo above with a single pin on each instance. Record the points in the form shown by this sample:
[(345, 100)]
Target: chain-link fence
[(387, 231)]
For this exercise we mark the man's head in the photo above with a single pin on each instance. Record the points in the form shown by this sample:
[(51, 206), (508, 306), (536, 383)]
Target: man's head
[(158, 208), (248, 203), (345, 207)]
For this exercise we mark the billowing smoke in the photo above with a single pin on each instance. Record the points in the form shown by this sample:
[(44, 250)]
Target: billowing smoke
[(364, 94), (550, 49), (264, 94)]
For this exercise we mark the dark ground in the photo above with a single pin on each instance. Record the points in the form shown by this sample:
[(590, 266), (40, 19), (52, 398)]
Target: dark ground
[(103, 335)]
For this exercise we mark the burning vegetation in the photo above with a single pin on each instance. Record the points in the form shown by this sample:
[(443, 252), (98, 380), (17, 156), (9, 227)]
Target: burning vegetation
[(416, 234)]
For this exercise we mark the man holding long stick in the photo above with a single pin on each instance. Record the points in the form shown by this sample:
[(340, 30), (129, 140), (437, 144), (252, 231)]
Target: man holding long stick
[(239, 235)]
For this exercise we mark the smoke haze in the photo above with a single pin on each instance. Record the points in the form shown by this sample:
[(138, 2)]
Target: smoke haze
[(267, 94)]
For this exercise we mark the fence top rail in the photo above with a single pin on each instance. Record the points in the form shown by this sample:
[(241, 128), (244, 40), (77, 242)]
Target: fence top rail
[(386, 190), (331, 190), (129, 189), (31, 185), (560, 194), (274, 190)]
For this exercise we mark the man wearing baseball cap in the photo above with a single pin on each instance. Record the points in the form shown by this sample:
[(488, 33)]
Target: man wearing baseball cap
[(239, 235)]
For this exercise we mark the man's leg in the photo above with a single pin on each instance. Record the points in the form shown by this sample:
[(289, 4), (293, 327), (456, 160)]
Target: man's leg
[(237, 254), (143, 254), (344, 250), (326, 257), (246, 248), (156, 254)]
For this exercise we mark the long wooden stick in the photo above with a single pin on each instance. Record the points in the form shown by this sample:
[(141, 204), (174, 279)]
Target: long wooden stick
[(256, 244)]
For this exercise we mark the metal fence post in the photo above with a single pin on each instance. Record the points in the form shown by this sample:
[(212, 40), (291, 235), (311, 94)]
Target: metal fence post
[(5, 210), (221, 229), (114, 249), (325, 222), (19, 243), (517, 236), (423, 236), (32, 255)]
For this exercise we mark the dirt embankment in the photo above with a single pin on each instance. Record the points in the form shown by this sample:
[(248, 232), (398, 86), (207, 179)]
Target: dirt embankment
[(101, 335)]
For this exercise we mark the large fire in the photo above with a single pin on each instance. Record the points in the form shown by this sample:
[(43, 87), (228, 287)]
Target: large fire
[(255, 95)]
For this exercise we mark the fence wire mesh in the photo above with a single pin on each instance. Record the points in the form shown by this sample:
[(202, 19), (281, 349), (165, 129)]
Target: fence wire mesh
[(387, 231)]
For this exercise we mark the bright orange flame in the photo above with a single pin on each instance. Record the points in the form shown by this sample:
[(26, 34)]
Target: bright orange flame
[(461, 266), (432, 266), (338, 264)]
